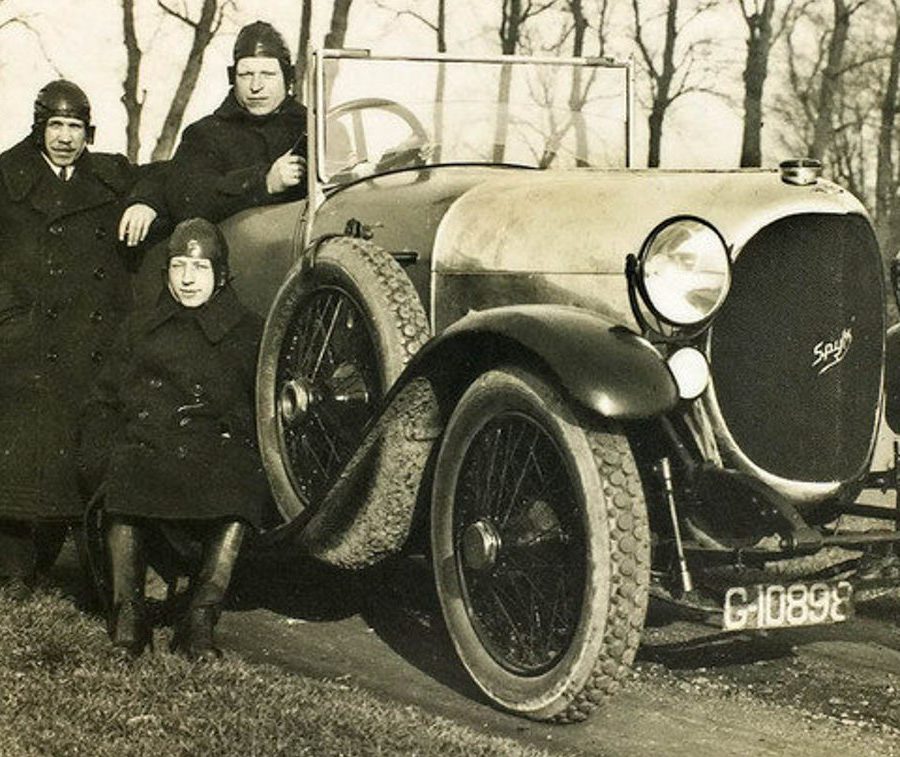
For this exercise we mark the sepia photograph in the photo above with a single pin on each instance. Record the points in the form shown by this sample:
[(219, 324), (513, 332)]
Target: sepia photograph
[(450, 377)]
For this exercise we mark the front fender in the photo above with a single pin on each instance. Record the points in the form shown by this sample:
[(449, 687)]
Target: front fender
[(603, 366)]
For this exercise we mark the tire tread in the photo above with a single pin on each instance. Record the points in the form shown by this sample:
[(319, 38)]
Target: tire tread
[(629, 545)]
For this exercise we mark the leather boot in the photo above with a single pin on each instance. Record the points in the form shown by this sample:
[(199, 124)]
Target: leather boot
[(210, 585), (128, 627)]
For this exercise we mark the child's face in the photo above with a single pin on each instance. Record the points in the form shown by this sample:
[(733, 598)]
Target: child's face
[(191, 280)]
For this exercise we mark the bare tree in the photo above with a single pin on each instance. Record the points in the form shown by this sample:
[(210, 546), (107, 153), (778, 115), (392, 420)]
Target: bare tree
[(302, 49), (672, 71), (131, 99), (579, 89), (886, 180), (831, 76), (763, 30), (22, 20), (438, 25), (337, 30), (513, 17), (204, 29)]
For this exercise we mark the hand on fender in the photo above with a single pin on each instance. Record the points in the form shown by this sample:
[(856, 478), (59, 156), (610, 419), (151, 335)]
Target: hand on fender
[(286, 172)]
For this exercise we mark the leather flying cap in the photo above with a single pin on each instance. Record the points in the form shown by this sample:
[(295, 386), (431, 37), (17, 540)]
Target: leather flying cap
[(62, 98), (261, 40), (199, 238)]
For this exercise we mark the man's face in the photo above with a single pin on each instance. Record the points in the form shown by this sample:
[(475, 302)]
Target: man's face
[(191, 280), (259, 85), (64, 139)]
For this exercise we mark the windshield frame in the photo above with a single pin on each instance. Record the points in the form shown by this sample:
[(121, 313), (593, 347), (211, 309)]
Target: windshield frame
[(316, 88)]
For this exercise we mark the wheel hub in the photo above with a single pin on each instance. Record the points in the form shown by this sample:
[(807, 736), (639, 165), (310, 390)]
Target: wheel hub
[(480, 545), (294, 400)]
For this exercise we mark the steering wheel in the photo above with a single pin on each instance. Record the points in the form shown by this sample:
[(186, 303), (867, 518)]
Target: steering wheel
[(407, 153)]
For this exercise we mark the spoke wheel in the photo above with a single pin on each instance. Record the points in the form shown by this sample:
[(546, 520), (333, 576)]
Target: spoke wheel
[(327, 383), (336, 339), (541, 548), (520, 541)]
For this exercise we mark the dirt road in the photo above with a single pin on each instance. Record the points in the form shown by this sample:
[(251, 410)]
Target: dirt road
[(824, 691)]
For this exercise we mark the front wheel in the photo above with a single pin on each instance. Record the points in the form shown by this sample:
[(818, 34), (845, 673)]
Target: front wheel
[(541, 548)]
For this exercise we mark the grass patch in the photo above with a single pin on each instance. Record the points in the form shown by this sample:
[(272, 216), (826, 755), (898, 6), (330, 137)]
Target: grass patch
[(62, 693)]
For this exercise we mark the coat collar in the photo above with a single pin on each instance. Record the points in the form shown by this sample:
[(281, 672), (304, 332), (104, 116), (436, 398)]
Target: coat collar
[(216, 318), (28, 177), (230, 110)]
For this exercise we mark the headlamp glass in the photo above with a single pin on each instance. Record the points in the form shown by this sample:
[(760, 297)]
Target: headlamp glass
[(685, 272)]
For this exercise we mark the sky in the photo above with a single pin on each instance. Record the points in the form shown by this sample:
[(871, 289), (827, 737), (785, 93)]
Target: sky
[(83, 41)]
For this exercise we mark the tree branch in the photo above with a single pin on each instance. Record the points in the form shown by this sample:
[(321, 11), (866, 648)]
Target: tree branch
[(172, 12)]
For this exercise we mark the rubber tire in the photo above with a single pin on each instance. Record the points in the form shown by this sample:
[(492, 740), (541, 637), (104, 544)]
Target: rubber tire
[(614, 517), (394, 316)]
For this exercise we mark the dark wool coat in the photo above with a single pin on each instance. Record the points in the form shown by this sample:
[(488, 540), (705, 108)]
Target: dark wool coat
[(169, 428), (64, 288), (221, 163)]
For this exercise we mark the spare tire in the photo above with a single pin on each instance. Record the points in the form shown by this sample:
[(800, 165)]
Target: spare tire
[(336, 339)]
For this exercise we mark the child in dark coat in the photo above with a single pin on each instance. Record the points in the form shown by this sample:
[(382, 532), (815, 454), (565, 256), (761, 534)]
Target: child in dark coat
[(169, 437)]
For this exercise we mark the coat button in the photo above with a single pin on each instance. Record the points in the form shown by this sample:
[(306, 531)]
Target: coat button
[(52, 356), (100, 232), (57, 229), (99, 273), (197, 390), (156, 382), (181, 452), (51, 312), (143, 414), (97, 356), (96, 316), (55, 270)]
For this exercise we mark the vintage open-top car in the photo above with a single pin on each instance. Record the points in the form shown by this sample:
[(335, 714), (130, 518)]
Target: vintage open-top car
[(570, 382)]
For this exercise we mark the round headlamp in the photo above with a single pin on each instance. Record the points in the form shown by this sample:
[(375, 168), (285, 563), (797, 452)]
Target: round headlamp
[(684, 271)]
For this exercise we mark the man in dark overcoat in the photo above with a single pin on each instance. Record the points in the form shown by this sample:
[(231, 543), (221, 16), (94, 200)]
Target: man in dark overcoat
[(251, 150), (169, 438), (64, 288)]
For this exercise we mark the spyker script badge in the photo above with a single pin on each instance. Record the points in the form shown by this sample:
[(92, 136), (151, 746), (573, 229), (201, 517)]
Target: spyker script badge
[(828, 354)]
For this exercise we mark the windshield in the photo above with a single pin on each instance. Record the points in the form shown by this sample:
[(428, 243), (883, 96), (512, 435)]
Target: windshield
[(384, 114)]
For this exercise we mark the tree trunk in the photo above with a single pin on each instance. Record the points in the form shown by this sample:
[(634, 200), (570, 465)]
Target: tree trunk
[(759, 43), (441, 83), (510, 23), (203, 34), (302, 50), (133, 102), (576, 95), (831, 80), (337, 32), (655, 124), (885, 183), (661, 100)]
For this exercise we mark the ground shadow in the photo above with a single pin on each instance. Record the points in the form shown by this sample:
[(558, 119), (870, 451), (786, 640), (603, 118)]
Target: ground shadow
[(396, 599)]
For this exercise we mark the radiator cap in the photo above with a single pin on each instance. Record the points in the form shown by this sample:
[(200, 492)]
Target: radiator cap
[(800, 171)]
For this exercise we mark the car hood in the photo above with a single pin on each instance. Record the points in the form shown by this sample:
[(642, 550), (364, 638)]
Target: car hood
[(587, 221)]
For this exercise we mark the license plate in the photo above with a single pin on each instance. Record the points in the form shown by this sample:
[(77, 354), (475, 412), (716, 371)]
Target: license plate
[(786, 606)]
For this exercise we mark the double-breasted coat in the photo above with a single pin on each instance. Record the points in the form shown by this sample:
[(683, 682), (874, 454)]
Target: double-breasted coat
[(221, 163), (169, 430), (64, 288)]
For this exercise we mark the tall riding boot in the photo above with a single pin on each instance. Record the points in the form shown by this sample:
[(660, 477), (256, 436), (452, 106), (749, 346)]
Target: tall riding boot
[(128, 627), (210, 585)]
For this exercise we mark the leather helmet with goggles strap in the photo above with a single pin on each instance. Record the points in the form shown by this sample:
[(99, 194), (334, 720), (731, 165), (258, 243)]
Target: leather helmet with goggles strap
[(199, 238), (261, 40), (61, 98)]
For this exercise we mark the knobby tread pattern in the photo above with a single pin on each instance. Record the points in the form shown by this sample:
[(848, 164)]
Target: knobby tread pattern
[(410, 324), (629, 556), (362, 521), (368, 514)]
